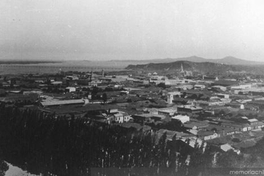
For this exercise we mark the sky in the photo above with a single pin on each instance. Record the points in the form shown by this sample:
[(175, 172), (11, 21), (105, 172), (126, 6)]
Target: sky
[(131, 29)]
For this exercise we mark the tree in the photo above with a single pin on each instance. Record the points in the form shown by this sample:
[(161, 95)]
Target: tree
[(104, 97), (162, 85), (3, 168)]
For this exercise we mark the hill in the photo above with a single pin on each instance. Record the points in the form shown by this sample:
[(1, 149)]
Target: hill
[(235, 61), (202, 67), (230, 60)]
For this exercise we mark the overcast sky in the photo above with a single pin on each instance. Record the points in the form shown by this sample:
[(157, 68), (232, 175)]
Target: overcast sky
[(131, 29)]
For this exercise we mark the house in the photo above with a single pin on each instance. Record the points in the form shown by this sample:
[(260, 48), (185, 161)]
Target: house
[(56, 102), (221, 95), (70, 89), (225, 83), (196, 125), (189, 109), (255, 124), (167, 111), (182, 118), (142, 118), (173, 82), (226, 147), (219, 88), (207, 135), (135, 126), (235, 126), (39, 92), (170, 96), (184, 86), (56, 82), (72, 77), (119, 116), (173, 135), (241, 87), (199, 86), (258, 104), (210, 78)]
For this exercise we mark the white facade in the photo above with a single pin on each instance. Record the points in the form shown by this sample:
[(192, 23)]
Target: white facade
[(182, 118), (170, 96), (240, 87), (71, 89), (199, 86)]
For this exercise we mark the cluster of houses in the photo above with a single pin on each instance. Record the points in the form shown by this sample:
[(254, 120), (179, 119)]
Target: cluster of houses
[(147, 101)]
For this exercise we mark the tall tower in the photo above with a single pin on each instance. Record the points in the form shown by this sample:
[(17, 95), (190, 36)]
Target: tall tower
[(182, 70), (91, 75)]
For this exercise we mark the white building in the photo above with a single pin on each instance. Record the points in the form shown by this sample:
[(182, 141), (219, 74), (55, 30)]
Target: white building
[(70, 89), (170, 96), (182, 118), (241, 87), (199, 86)]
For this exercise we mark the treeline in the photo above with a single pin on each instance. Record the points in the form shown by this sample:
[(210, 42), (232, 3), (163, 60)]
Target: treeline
[(43, 143)]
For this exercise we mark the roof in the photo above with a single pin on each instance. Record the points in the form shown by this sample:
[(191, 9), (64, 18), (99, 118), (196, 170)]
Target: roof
[(198, 124), (225, 83), (235, 125), (170, 134), (167, 110), (257, 102), (252, 120), (148, 115), (174, 93), (205, 133), (226, 147), (62, 102), (191, 107), (180, 117), (134, 125)]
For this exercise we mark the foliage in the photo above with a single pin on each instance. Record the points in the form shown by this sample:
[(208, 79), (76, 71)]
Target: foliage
[(40, 143)]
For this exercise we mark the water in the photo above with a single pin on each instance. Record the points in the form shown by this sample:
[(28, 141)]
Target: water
[(51, 68)]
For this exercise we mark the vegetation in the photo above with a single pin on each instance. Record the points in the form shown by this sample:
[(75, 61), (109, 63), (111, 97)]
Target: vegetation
[(40, 143)]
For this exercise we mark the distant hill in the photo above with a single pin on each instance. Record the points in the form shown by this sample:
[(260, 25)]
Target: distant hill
[(187, 65), (226, 60), (202, 67), (26, 62), (235, 61)]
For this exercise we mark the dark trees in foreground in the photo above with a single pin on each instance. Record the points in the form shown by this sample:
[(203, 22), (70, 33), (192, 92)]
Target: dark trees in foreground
[(41, 143)]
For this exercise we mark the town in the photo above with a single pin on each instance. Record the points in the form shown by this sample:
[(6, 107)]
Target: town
[(227, 113)]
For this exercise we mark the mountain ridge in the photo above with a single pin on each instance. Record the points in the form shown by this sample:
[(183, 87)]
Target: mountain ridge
[(226, 60), (202, 67)]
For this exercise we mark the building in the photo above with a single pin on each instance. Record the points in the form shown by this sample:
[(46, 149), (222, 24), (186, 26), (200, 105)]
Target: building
[(170, 96), (196, 125), (167, 111), (182, 118), (142, 118), (199, 86), (70, 89), (241, 87), (56, 82), (207, 135), (219, 88), (210, 78), (221, 95), (56, 102), (189, 109)]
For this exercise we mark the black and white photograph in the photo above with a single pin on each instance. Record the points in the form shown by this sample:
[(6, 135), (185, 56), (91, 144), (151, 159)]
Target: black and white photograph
[(131, 87)]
